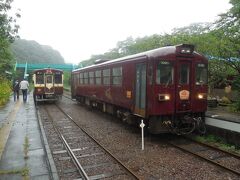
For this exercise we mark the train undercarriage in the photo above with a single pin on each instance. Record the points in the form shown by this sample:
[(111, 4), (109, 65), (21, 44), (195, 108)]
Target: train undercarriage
[(183, 123), (46, 97)]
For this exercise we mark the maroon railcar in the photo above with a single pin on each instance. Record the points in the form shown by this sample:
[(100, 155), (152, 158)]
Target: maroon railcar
[(167, 87), (48, 84)]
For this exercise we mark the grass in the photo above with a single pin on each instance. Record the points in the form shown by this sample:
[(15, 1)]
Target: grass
[(24, 172), (5, 91), (218, 142)]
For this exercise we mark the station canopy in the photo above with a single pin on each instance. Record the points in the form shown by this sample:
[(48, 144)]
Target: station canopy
[(31, 67)]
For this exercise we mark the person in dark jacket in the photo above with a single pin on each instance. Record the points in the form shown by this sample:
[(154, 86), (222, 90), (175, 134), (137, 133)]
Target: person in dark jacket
[(16, 90)]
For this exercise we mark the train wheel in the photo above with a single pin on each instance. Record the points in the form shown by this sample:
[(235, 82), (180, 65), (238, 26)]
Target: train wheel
[(185, 128)]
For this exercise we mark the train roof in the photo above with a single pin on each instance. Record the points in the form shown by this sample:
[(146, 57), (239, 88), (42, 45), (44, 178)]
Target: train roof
[(49, 69), (163, 51)]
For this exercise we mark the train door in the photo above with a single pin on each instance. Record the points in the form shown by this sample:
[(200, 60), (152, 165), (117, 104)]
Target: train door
[(49, 87), (183, 87), (140, 90)]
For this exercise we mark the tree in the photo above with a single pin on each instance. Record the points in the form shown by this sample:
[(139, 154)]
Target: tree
[(229, 27), (8, 32), (230, 21)]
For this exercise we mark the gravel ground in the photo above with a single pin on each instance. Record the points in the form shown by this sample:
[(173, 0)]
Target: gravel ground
[(157, 161)]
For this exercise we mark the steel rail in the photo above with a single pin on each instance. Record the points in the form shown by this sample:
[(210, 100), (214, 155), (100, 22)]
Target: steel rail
[(75, 160), (213, 147), (108, 152), (204, 158), (74, 157)]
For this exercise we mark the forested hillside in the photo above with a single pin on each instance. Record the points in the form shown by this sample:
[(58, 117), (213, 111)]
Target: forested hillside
[(32, 52)]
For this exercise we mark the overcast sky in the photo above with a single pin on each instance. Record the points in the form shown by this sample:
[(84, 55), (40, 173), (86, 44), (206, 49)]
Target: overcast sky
[(81, 28)]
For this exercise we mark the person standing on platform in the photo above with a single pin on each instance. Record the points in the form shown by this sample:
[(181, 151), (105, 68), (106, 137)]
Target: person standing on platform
[(24, 87), (16, 90)]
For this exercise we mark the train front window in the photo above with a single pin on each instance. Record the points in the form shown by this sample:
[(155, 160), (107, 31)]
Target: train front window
[(201, 74), (184, 74), (164, 73), (39, 79), (49, 79), (58, 79)]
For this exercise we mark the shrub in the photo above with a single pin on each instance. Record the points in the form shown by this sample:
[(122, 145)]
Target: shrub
[(225, 100), (5, 90)]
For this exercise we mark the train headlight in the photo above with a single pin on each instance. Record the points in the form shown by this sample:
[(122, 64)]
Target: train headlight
[(201, 96), (185, 49), (167, 97), (163, 97)]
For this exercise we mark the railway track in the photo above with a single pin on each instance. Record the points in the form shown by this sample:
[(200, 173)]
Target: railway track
[(223, 159), (218, 157), (75, 152)]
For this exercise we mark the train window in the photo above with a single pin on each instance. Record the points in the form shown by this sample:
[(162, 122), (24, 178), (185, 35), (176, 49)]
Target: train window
[(98, 75), (58, 79), (81, 78), (75, 78), (39, 79), (164, 73), (201, 74), (106, 76), (78, 81), (117, 76), (184, 74), (91, 77), (85, 78)]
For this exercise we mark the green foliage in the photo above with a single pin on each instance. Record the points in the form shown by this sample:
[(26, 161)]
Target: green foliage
[(218, 72), (5, 90), (236, 86), (32, 52), (67, 78), (218, 142), (8, 26), (230, 21), (24, 172), (8, 32), (229, 25)]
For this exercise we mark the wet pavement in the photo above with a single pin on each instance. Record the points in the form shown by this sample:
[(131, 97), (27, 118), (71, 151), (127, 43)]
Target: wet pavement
[(4, 111), (24, 153)]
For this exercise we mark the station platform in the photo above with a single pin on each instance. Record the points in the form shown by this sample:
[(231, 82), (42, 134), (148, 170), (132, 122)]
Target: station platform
[(222, 113), (23, 153)]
